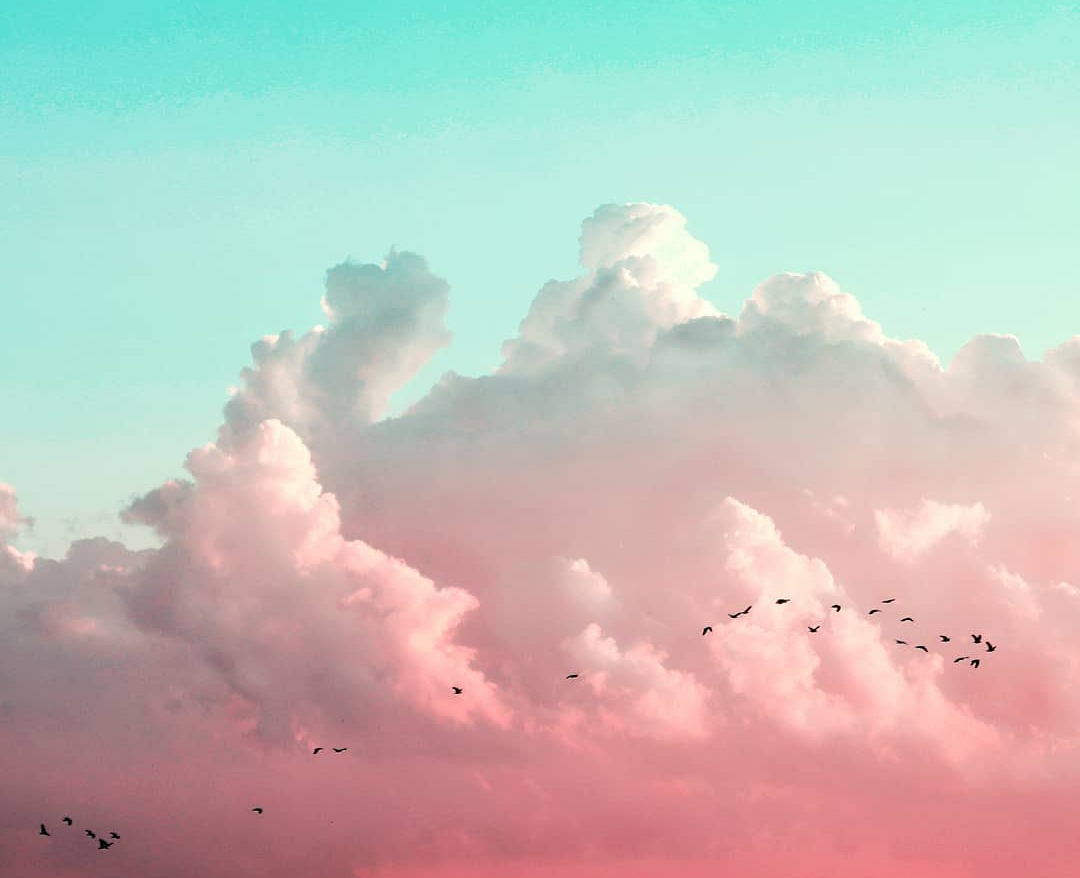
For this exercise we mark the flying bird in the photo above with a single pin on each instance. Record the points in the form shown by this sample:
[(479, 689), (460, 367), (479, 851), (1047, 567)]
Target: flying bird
[(316, 750), (257, 810), (977, 638), (836, 607), (990, 647), (902, 642), (457, 690), (90, 833), (813, 628), (43, 830), (339, 749), (944, 639), (923, 648), (961, 659), (103, 845), (974, 663), (783, 600), (889, 601), (706, 630), (68, 821), (907, 619), (875, 610), (741, 613), (113, 835), (571, 676)]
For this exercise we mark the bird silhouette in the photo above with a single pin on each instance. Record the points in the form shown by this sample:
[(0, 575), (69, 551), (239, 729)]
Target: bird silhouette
[(571, 676), (113, 835), (977, 638), (90, 833), (875, 610), (68, 821), (944, 639), (961, 659), (836, 607), (923, 648), (103, 845), (457, 690), (813, 628), (902, 642), (316, 750), (43, 830), (889, 601), (907, 619), (706, 630), (257, 810), (974, 663), (990, 647), (339, 749), (740, 613), (783, 600)]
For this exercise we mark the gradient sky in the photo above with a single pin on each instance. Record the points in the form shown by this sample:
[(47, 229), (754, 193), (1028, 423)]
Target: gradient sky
[(176, 180), (352, 357)]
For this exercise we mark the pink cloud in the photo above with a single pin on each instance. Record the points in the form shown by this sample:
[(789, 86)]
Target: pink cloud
[(638, 467)]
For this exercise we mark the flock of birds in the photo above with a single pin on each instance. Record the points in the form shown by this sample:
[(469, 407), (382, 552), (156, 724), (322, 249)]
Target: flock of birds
[(977, 639), (102, 844)]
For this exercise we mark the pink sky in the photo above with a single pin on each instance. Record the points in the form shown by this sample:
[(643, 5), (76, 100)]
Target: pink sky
[(639, 466)]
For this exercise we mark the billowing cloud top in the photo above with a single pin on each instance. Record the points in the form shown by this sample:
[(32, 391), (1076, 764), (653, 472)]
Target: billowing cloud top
[(639, 466)]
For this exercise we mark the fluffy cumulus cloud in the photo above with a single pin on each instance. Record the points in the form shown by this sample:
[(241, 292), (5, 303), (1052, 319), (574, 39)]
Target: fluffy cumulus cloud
[(641, 464)]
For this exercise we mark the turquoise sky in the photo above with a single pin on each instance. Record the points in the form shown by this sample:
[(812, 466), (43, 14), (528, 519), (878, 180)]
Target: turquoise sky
[(175, 181)]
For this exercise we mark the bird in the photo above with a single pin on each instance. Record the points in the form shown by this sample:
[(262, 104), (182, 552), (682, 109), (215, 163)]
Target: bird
[(90, 833), (990, 647), (907, 619), (961, 659), (813, 628), (316, 750), (339, 749), (875, 610), (836, 607), (706, 630), (902, 642), (944, 639), (457, 690), (571, 676), (113, 835), (43, 830), (977, 638), (923, 648), (103, 845), (740, 613), (889, 601), (68, 821), (257, 810), (783, 600), (974, 663)]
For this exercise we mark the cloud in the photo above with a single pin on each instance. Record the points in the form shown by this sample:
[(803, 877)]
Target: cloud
[(909, 534), (639, 465), (386, 322)]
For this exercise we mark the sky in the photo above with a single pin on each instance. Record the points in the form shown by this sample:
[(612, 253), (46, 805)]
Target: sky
[(356, 354)]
